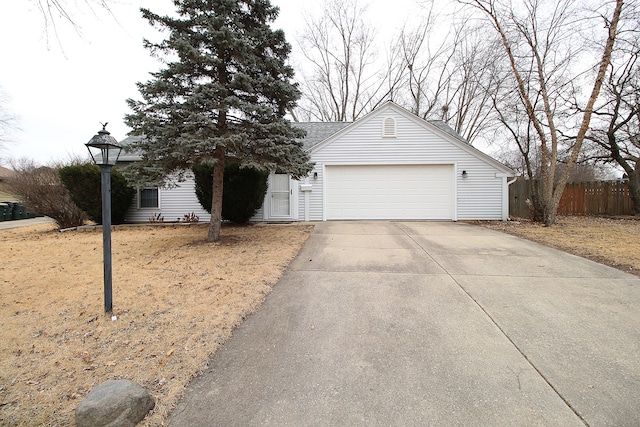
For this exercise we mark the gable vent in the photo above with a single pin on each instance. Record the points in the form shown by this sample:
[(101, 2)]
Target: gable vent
[(389, 127)]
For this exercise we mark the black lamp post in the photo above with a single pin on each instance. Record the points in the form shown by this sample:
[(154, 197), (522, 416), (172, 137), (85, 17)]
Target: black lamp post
[(104, 150)]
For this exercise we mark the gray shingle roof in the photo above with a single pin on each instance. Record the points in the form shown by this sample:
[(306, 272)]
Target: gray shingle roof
[(319, 131), (126, 155), (445, 127)]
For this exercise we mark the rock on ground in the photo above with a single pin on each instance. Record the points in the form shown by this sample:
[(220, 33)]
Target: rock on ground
[(114, 403)]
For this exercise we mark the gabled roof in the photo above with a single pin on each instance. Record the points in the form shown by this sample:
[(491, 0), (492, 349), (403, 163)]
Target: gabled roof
[(437, 126)]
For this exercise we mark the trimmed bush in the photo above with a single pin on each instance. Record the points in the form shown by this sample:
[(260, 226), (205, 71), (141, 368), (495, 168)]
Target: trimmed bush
[(243, 192), (83, 182)]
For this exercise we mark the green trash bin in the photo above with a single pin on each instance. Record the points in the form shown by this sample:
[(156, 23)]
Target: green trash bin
[(18, 209), (8, 214), (3, 209)]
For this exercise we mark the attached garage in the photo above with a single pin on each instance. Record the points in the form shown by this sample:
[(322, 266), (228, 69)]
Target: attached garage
[(410, 192), (391, 164)]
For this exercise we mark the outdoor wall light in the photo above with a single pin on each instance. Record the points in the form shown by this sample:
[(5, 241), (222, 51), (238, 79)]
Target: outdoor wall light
[(465, 174), (315, 175), (104, 150)]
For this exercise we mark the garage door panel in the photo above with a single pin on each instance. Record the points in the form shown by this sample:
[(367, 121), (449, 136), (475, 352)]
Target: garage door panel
[(390, 192)]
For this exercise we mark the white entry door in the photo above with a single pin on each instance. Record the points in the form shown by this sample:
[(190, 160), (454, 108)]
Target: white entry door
[(280, 189)]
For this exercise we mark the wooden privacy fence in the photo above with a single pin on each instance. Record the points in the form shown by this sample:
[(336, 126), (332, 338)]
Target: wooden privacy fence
[(580, 198)]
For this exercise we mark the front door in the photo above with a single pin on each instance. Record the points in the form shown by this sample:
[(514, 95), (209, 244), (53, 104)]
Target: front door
[(280, 190)]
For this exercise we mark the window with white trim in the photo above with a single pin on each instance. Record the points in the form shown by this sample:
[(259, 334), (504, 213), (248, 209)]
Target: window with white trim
[(388, 127), (148, 198)]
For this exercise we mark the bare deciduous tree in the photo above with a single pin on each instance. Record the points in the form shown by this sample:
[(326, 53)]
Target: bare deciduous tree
[(449, 76), (467, 106), (8, 121), (425, 60), (343, 82), (54, 10), (616, 127), (540, 40), (51, 11)]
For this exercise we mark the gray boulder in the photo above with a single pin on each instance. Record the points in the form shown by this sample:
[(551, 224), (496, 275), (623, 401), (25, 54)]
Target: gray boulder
[(114, 403)]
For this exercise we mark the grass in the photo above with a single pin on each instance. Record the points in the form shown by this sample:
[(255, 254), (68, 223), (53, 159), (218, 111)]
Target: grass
[(176, 299)]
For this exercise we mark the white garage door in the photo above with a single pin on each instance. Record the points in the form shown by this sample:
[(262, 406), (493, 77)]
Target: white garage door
[(390, 192)]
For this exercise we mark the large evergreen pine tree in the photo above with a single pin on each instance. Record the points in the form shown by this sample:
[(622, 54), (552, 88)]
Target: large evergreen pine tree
[(224, 92)]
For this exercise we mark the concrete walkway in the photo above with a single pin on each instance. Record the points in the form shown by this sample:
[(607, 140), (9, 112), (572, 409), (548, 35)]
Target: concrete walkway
[(429, 323), (7, 225)]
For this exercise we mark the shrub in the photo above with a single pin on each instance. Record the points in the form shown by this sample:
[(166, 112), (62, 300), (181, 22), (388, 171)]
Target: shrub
[(83, 180), (41, 191), (243, 192)]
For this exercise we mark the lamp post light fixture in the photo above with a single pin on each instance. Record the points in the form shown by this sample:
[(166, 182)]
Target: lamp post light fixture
[(104, 150)]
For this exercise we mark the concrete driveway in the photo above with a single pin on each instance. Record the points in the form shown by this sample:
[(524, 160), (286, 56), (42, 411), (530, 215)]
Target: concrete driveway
[(429, 323)]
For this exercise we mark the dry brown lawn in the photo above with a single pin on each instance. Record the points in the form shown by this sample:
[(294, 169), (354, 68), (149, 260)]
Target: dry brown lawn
[(611, 241), (176, 299)]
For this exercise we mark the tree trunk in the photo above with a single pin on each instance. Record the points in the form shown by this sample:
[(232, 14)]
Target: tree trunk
[(632, 171), (216, 199), (535, 207), (634, 188)]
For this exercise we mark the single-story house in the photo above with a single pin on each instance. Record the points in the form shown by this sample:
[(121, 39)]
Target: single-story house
[(389, 164)]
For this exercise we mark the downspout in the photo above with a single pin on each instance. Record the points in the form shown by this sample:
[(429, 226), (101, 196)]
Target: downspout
[(305, 188), (515, 178), (306, 201)]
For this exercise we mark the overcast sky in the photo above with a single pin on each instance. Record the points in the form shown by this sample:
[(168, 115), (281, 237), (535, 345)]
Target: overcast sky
[(60, 91)]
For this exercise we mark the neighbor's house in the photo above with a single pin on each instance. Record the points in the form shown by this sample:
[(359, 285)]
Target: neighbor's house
[(5, 174), (390, 164)]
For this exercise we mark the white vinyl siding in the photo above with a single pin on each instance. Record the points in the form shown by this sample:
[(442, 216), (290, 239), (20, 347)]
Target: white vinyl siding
[(259, 215), (175, 203), (390, 192), (479, 196)]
